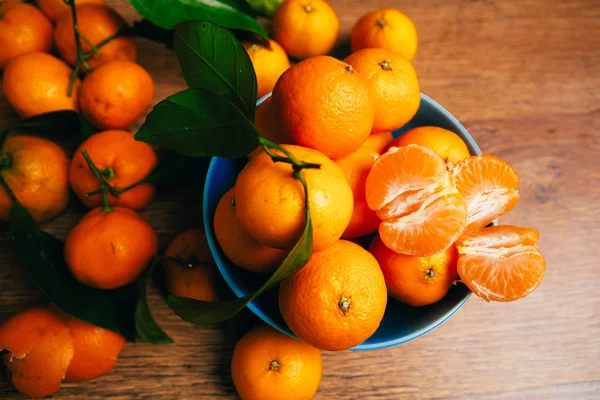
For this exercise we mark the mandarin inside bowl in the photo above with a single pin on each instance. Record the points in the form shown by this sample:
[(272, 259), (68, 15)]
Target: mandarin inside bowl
[(401, 322)]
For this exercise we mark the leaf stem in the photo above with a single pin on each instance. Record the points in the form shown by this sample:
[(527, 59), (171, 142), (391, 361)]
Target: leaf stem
[(104, 186), (8, 190)]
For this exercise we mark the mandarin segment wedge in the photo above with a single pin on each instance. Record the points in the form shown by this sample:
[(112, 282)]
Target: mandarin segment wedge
[(501, 263)]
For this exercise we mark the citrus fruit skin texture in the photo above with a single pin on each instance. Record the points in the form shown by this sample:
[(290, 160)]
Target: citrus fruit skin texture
[(356, 167), (306, 28), (501, 263), (417, 281), (267, 124), (268, 63), (107, 250), (413, 193), (489, 186), (40, 350), (393, 82), (270, 201), (116, 94), (337, 300), (241, 248), (379, 141), (124, 162), (95, 350), (386, 28), (198, 281), (269, 365), (322, 103), (23, 29), (54, 9), (36, 171), (36, 83), (445, 143), (97, 23)]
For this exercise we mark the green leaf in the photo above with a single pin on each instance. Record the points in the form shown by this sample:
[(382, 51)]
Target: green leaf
[(148, 30), (203, 313), (58, 125), (212, 58), (265, 7), (145, 325), (42, 256), (197, 122), (233, 14)]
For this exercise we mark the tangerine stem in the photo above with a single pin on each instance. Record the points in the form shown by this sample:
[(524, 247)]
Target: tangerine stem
[(104, 186)]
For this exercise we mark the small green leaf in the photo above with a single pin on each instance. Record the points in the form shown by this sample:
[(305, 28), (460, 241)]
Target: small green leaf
[(212, 58), (203, 313), (42, 255), (145, 325), (265, 7), (58, 125), (175, 169), (197, 122), (233, 14)]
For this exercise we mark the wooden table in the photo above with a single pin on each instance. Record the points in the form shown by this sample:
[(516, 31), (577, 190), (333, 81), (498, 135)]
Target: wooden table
[(524, 78)]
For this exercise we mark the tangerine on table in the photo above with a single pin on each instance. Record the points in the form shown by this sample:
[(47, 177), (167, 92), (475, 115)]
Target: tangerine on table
[(36, 170), (267, 125), (337, 300), (501, 263), (116, 94), (269, 365), (122, 160), (37, 83), (241, 248), (23, 29), (269, 63), (412, 193), (55, 8), (96, 23), (356, 167), (417, 281), (324, 104), (270, 201), (193, 274), (379, 141), (446, 143), (393, 81), (39, 350), (306, 28), (489, 186), (107, 250), (386, 28)]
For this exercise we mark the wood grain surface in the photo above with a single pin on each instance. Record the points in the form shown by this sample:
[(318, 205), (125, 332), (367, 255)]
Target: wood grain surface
[(524, 78)]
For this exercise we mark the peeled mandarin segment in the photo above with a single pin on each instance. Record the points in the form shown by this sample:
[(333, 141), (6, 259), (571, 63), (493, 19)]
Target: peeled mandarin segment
[(501, 263), (489, 186)]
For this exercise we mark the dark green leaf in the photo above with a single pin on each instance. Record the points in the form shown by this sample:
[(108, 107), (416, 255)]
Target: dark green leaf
[(42, 256), (58, 125), (174, 169), (265, 7), (145, 325), (148, 30), (212, 58), (203, 313), (233, 14), (197, 123), (87, 129)]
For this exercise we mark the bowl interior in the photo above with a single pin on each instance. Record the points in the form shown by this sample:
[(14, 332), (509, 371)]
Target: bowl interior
[(401, 322)]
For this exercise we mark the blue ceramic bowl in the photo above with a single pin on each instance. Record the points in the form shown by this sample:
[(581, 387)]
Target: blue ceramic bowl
[(401, 322)]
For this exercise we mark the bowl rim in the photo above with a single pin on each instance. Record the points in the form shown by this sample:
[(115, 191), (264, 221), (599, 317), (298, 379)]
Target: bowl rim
[(214, 245)]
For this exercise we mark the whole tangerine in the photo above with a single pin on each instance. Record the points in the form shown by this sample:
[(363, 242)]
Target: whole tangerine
[(268, 126), (269, 365), (36, 170), (324, 104), (37, 83), (306, 28), (393, 81), (379, 141), (270, 201), (444, 142), (23, 29), (269, 63), (110, 249), (190, 268), (337, 300), (386, 28), (96, 23), (122, 160), (116, 94)]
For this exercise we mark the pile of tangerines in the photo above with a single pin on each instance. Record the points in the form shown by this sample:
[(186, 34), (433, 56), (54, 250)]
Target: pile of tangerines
[(421, 202)]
